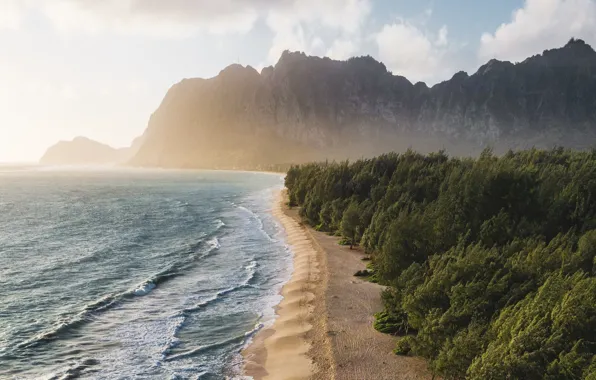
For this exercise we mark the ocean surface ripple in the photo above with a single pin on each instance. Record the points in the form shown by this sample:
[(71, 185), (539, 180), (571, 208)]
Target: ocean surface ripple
[(134, 273)]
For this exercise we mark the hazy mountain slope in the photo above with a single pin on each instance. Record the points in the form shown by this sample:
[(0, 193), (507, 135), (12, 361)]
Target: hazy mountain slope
[(313, 108), (84, 151)]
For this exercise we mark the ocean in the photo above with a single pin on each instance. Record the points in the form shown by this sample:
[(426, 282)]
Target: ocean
[(135, 274)]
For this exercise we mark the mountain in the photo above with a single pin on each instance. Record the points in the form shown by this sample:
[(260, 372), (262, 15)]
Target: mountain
[(307, 108), (84, 151)]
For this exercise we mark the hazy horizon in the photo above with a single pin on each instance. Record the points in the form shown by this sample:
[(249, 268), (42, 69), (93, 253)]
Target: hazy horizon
[(99, 70)]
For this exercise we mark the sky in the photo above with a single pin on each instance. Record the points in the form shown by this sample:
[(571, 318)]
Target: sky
[(100, 68)]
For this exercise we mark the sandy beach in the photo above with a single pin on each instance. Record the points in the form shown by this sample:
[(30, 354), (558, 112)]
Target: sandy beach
[(324, 324), (285, 350)]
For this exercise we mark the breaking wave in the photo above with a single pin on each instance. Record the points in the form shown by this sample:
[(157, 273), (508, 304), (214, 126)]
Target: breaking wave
[(111, 300)]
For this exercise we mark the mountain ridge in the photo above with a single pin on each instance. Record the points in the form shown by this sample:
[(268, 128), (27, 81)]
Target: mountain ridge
[(307, 108), (316, 108)]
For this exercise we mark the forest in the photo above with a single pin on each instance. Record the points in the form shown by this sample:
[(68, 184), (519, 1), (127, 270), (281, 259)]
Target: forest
[(489, 262)]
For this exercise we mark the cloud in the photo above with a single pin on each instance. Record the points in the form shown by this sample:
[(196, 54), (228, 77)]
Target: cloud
[(68, 92), (342, 49), (313, 26), (172, 18), (540, 25), (316, 27), (317, 46), (344, 15), (10, 14), (291, 37), (412, 52), (305, 24), (336, 28), (442, 37), (182, 18)]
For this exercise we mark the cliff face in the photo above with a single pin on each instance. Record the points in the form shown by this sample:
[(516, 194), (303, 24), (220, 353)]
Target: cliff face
[(84, 151), (308, 108)]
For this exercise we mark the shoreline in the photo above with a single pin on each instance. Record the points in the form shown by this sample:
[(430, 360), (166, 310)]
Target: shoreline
[(324, 325), (296, 345)]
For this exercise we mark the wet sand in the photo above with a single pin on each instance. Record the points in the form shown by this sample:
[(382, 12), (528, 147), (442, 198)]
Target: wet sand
[(286, 350), (324, 329)]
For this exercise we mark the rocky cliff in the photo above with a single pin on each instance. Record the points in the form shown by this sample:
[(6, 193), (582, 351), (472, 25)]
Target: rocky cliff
[(84, 151), (308, 108)]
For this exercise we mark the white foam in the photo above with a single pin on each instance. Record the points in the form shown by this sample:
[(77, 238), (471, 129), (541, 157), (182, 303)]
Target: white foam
[(175, 324), (250, 267), (261, 226), (214, 243), (258, 326), (208, 300), (144, 289)]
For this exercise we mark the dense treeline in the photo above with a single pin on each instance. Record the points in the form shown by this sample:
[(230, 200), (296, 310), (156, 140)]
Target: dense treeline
[(490, 262)]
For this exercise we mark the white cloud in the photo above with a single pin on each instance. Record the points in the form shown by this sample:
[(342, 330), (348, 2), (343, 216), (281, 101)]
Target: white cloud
[(181, 18), (313, 26), (317, 46), (67, 92), (540, 25), (172, 18), (336, 28), (300, 25), (290, 37), (409, 51), (442, 37), (342, 49), (10, 14), (343, 15)]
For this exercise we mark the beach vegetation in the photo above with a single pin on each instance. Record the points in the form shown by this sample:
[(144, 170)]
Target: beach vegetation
[(489, 263), (350, 222)]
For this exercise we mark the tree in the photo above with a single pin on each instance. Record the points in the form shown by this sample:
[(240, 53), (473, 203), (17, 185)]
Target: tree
[(349, 223), (489, 262)]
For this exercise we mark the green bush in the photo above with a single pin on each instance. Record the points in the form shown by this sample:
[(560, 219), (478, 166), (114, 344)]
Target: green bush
[(489, 263), (403, 346)]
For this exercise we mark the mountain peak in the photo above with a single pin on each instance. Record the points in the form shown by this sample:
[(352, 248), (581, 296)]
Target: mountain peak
[(494, 66), (289, 57), (577, 43), (309, 108), (82, 139), (460, 76), (578, 49), (83, 151), (368, 63), (575, 53), (236, 69)]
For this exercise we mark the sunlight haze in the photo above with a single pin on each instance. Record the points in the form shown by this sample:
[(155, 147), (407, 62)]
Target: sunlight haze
[(99, 69)]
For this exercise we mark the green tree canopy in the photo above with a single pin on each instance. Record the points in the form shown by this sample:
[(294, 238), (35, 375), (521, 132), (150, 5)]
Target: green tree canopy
[(350, 222), (489, 263)]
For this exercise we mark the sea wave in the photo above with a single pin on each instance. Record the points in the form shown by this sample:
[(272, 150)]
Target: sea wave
[(214, 243), (75, 371), (144, 289), (238, 340), (108, 301), (146, 264), (192, 248), (259, 221), (250, 268), (178, 320), (219, 224), (185, 313)]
